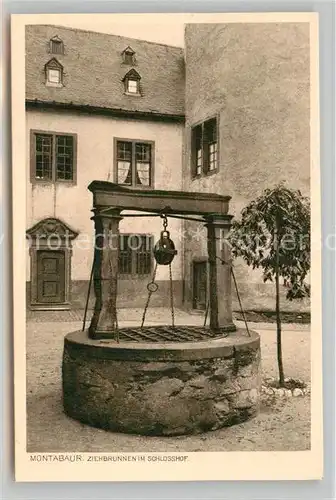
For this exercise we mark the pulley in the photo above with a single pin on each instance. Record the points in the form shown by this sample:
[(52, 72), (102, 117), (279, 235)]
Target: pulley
[(164, 250)]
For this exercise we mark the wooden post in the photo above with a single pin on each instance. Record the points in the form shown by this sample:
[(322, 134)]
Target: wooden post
[(104, 320), (219, 253)]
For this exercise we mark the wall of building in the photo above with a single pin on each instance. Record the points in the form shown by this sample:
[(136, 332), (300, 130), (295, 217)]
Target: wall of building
[(255, 79), (95, 161)]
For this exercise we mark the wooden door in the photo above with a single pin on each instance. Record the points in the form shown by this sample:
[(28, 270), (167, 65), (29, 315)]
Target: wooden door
[(50, 277), (199, 285)]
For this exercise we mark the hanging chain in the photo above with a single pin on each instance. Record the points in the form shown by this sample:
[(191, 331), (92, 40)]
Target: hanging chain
[(89, 292), (171, 296), (152, 287), (240, 303), (165, 225), (238, 294), (206, 312), (165, 222)]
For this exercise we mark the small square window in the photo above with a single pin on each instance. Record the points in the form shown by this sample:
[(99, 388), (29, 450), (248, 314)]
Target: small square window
[(128, 58), (53, 73), (54, 76), (133, 86), (56, 47)]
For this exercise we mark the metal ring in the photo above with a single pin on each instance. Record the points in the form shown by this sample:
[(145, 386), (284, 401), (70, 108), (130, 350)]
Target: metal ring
[(152, 287)]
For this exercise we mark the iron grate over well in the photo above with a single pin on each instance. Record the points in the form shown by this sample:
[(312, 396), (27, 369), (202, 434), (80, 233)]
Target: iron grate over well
[(168, 334)]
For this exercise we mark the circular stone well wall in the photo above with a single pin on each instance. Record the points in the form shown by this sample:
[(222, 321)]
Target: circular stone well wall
[(161, 388)]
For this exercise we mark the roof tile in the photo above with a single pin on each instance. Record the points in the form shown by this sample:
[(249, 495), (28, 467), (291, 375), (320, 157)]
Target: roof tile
[(94, 71)]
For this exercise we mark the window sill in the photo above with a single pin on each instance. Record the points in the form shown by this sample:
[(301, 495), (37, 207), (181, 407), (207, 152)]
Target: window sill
[(211, 172), (45, 182), (133, 94), (125, 277), (57, 85), (204, 174), (145, 188)]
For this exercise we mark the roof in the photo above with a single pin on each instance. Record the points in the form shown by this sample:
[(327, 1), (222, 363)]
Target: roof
[(94, 71)]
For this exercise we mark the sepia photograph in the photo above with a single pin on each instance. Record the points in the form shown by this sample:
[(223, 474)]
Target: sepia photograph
[(168, 237)]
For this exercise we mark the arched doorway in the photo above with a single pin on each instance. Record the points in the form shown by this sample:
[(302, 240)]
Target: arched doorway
[(50, 242)]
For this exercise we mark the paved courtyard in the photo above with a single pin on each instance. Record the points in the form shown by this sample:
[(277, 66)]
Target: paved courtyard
[(282, 425)]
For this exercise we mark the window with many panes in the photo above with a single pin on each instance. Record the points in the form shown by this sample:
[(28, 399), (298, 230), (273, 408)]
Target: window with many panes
[(135, 254), (134, 162), (53, 157), (204, 148)]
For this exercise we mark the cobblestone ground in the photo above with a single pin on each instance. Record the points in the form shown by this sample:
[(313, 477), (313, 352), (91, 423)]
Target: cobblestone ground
[(281, 426)]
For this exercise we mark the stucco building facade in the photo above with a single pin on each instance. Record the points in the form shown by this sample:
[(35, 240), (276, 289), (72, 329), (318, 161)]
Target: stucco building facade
[(229, 114), (251, 81), (120, 104)]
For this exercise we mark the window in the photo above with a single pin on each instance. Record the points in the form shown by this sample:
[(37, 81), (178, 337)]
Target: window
[(56, 45), (135, 254), (132, 86), (134, 163), (204, 148), (53, 157), (198, 149), (128, 56), (132, 82), (54, 73)]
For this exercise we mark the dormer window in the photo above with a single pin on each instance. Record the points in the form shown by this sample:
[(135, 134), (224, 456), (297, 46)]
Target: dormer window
[(56, 45), (54, 73), (54, 76), (128, 56), (132, 82), (132, 86)]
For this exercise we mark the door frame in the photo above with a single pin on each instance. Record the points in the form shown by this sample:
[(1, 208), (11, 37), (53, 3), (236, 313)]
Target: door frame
[(199, 260), (59, 254), (50, 235)]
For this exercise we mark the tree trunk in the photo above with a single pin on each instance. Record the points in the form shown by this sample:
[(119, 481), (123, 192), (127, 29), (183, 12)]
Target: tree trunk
[(277, 310)]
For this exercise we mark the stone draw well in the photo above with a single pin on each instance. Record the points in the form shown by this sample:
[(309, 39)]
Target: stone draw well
[(160, 380)]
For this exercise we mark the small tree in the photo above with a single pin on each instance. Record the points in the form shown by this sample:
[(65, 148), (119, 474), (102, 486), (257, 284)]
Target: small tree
[(274, 235)]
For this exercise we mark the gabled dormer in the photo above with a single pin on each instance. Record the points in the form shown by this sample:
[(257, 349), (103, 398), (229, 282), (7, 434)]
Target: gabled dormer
[(53, 73), (128, 56), (132, 82), (56, 45)]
